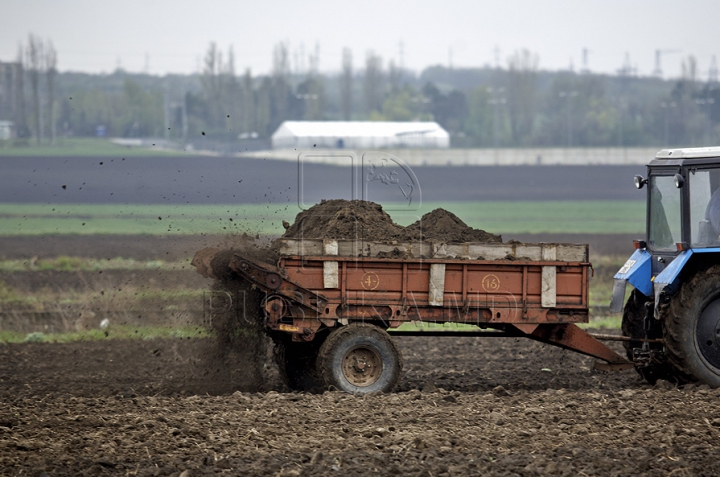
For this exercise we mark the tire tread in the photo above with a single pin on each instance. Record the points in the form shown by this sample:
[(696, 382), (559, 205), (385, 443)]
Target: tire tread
[(677, 316)]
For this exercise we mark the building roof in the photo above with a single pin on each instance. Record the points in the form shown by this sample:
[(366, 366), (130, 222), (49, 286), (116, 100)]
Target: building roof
[(348, 129), (689, 153)]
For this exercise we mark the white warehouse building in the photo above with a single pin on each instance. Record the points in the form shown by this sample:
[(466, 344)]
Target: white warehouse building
[(359, 135)]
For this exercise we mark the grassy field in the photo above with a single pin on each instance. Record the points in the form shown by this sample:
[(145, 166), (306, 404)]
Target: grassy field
[(80, 147), (597, 217), (111, 332), (65, 263)]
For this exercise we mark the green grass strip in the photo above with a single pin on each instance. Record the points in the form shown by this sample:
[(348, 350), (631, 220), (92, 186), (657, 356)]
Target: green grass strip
[(112, 332), (65, 263), (506, 217), (79, 147)]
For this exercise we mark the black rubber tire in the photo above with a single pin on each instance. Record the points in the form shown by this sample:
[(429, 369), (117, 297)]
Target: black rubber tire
[(297, 364), (633, 326), (680, 326), (349, 339)]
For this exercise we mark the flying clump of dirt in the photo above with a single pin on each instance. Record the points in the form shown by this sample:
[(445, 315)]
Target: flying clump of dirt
[(362, 220)]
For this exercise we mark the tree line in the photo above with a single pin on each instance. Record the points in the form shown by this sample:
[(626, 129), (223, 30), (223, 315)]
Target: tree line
[(516, 105), (28, 90)]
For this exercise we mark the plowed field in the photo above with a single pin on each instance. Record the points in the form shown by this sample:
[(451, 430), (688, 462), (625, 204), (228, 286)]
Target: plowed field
[(465, 406)]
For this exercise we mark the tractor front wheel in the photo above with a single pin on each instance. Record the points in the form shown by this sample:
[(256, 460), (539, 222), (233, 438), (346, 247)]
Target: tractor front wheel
[(692, 328)]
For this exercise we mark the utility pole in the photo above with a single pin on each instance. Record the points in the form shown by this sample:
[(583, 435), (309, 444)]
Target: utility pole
[(585, 61), (627, 68), (658, 72)]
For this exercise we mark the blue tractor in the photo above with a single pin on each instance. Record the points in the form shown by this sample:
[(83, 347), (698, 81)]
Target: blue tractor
[(672, 315)]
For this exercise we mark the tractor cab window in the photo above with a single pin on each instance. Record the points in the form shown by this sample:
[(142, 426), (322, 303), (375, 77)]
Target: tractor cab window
[(704, 207), (665, 224)]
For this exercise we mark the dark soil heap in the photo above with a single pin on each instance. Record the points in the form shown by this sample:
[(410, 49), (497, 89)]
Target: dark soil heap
[(357, 219), (345, 220), (443, 226)]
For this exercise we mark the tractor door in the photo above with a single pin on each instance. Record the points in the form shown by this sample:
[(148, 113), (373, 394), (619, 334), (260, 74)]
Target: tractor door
[(664, 223)]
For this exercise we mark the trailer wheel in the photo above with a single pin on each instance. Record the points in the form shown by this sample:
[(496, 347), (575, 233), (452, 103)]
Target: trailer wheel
[(633, 326), (692, 328), (360, 358), (296, 362)]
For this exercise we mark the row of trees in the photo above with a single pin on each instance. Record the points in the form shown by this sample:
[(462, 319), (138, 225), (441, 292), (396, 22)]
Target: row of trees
[(514, 106), (32, 84), (519, 105)]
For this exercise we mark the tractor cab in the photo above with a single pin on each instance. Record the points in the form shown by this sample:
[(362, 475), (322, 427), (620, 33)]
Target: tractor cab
[(683, 220)]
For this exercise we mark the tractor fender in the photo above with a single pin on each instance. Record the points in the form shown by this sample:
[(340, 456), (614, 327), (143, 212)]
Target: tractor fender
[(670, 276), (638, 271)]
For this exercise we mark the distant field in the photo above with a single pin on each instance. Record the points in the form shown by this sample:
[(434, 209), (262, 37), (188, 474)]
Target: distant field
[(80, 147), (593, 217)]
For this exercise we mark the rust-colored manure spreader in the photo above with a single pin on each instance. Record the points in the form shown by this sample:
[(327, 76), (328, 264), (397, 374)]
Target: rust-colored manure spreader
[(331, 305)]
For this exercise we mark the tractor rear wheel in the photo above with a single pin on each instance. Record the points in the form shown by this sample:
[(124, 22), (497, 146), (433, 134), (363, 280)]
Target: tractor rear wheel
[(633, 326), (359, 358), (692, 328)]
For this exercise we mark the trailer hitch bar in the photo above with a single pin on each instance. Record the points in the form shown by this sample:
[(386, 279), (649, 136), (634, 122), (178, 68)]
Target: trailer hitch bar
[(606, 337)]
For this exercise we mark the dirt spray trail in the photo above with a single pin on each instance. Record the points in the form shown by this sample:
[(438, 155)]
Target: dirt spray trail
[(240, 347)]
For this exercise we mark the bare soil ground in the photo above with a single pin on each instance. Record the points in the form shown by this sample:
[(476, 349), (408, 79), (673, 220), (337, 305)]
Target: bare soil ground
[(464, 407), (229, 180)]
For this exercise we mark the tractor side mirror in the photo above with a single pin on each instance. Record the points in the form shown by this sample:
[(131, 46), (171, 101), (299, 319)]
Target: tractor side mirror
[(679, 181), (640, 181)]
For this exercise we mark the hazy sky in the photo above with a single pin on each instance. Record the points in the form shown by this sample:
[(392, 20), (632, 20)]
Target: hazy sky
[(172, 36)]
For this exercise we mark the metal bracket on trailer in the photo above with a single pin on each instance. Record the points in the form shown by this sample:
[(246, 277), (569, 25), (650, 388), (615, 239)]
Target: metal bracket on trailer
[(564, 335), (285, 298), (271, 281)]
